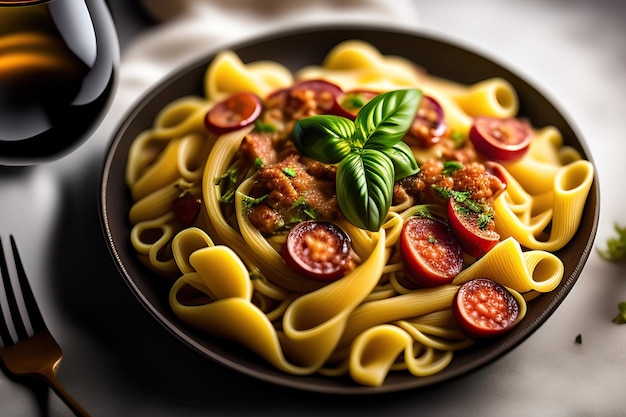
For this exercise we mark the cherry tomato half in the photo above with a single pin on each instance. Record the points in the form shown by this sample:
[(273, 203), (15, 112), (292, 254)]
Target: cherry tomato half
[(430, 252), (475, 238), (235, 112), (501, 139), (318, 250), (186, 208), (483, 308), (428, 125)]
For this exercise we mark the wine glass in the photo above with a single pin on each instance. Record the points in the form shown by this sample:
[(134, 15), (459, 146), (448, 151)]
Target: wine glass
[(58, 66)]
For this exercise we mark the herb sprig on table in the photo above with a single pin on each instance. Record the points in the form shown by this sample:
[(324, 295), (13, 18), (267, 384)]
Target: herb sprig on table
[(616, 251), (368, 151), (616, 246)]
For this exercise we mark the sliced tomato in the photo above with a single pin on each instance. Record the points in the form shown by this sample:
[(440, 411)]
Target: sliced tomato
[(483, 308), (235, 112), (428, 125), (476, 235), (318, 250), (431, 254), (501, 139), (350, 103)]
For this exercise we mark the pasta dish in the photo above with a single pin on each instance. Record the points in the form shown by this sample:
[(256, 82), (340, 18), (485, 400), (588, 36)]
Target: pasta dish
[(353, 218)]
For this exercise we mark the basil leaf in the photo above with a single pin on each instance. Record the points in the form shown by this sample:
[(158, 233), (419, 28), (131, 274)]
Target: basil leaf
[(369, 152), (326, 138), (365, 188), (385, 119), (403, 160)]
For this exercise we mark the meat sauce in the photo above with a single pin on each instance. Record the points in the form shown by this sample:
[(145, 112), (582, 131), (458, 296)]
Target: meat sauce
[(291, 188)]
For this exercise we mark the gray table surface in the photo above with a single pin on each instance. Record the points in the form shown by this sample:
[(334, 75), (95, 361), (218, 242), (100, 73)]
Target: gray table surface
[(118, 361)]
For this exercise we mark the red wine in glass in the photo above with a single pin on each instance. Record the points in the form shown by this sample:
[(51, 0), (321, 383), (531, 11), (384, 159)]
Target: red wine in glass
[(58, 66)]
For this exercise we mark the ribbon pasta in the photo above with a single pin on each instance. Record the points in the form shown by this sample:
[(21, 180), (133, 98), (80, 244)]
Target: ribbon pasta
[(549, 185), (229, 281)]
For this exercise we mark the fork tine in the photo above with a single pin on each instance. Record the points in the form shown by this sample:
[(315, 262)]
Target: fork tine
[(34, 314), (7, 340), (35, 355), (14, 309)]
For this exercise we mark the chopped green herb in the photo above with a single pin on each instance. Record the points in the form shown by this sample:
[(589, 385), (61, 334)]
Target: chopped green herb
[(463, 210), (228, 180), (232, 174), (300, 201), (310, 212), (449, 167), (255, 274), (250, 202), (228, 196), (296, 218), (354, 101), (467, 205), (445, 192), (474, 205), (484, 219), (182, 190), (432, 239), (458, 139), (621, 317), (290, 172), (258, 162), (461, 197), (264, 127), (425, 213)]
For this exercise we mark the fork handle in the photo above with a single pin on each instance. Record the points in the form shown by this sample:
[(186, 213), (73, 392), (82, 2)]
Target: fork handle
[(50, 377)]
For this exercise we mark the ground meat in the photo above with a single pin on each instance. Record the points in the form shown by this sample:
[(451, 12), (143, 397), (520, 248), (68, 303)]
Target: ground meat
[(302, 102), (266, 219), (257, 145), (308, 102), (319, 169), (283, 189), (321, 196), (431, 174), (290, 188), (472, 177), (450, 151), (291, 182), (475, 178), (288, 105), (400, 194)]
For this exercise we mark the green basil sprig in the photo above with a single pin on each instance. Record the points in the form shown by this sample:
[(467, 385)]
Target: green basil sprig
[(369, 152)]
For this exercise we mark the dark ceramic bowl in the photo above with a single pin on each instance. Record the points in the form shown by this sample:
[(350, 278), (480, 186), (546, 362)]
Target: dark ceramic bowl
[(437, 57)]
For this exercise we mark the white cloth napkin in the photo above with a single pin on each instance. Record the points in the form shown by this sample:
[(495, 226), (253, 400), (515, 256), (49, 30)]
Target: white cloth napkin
[(189, 29)]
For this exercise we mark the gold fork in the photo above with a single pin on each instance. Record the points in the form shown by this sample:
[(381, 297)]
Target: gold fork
[(36, 353)]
